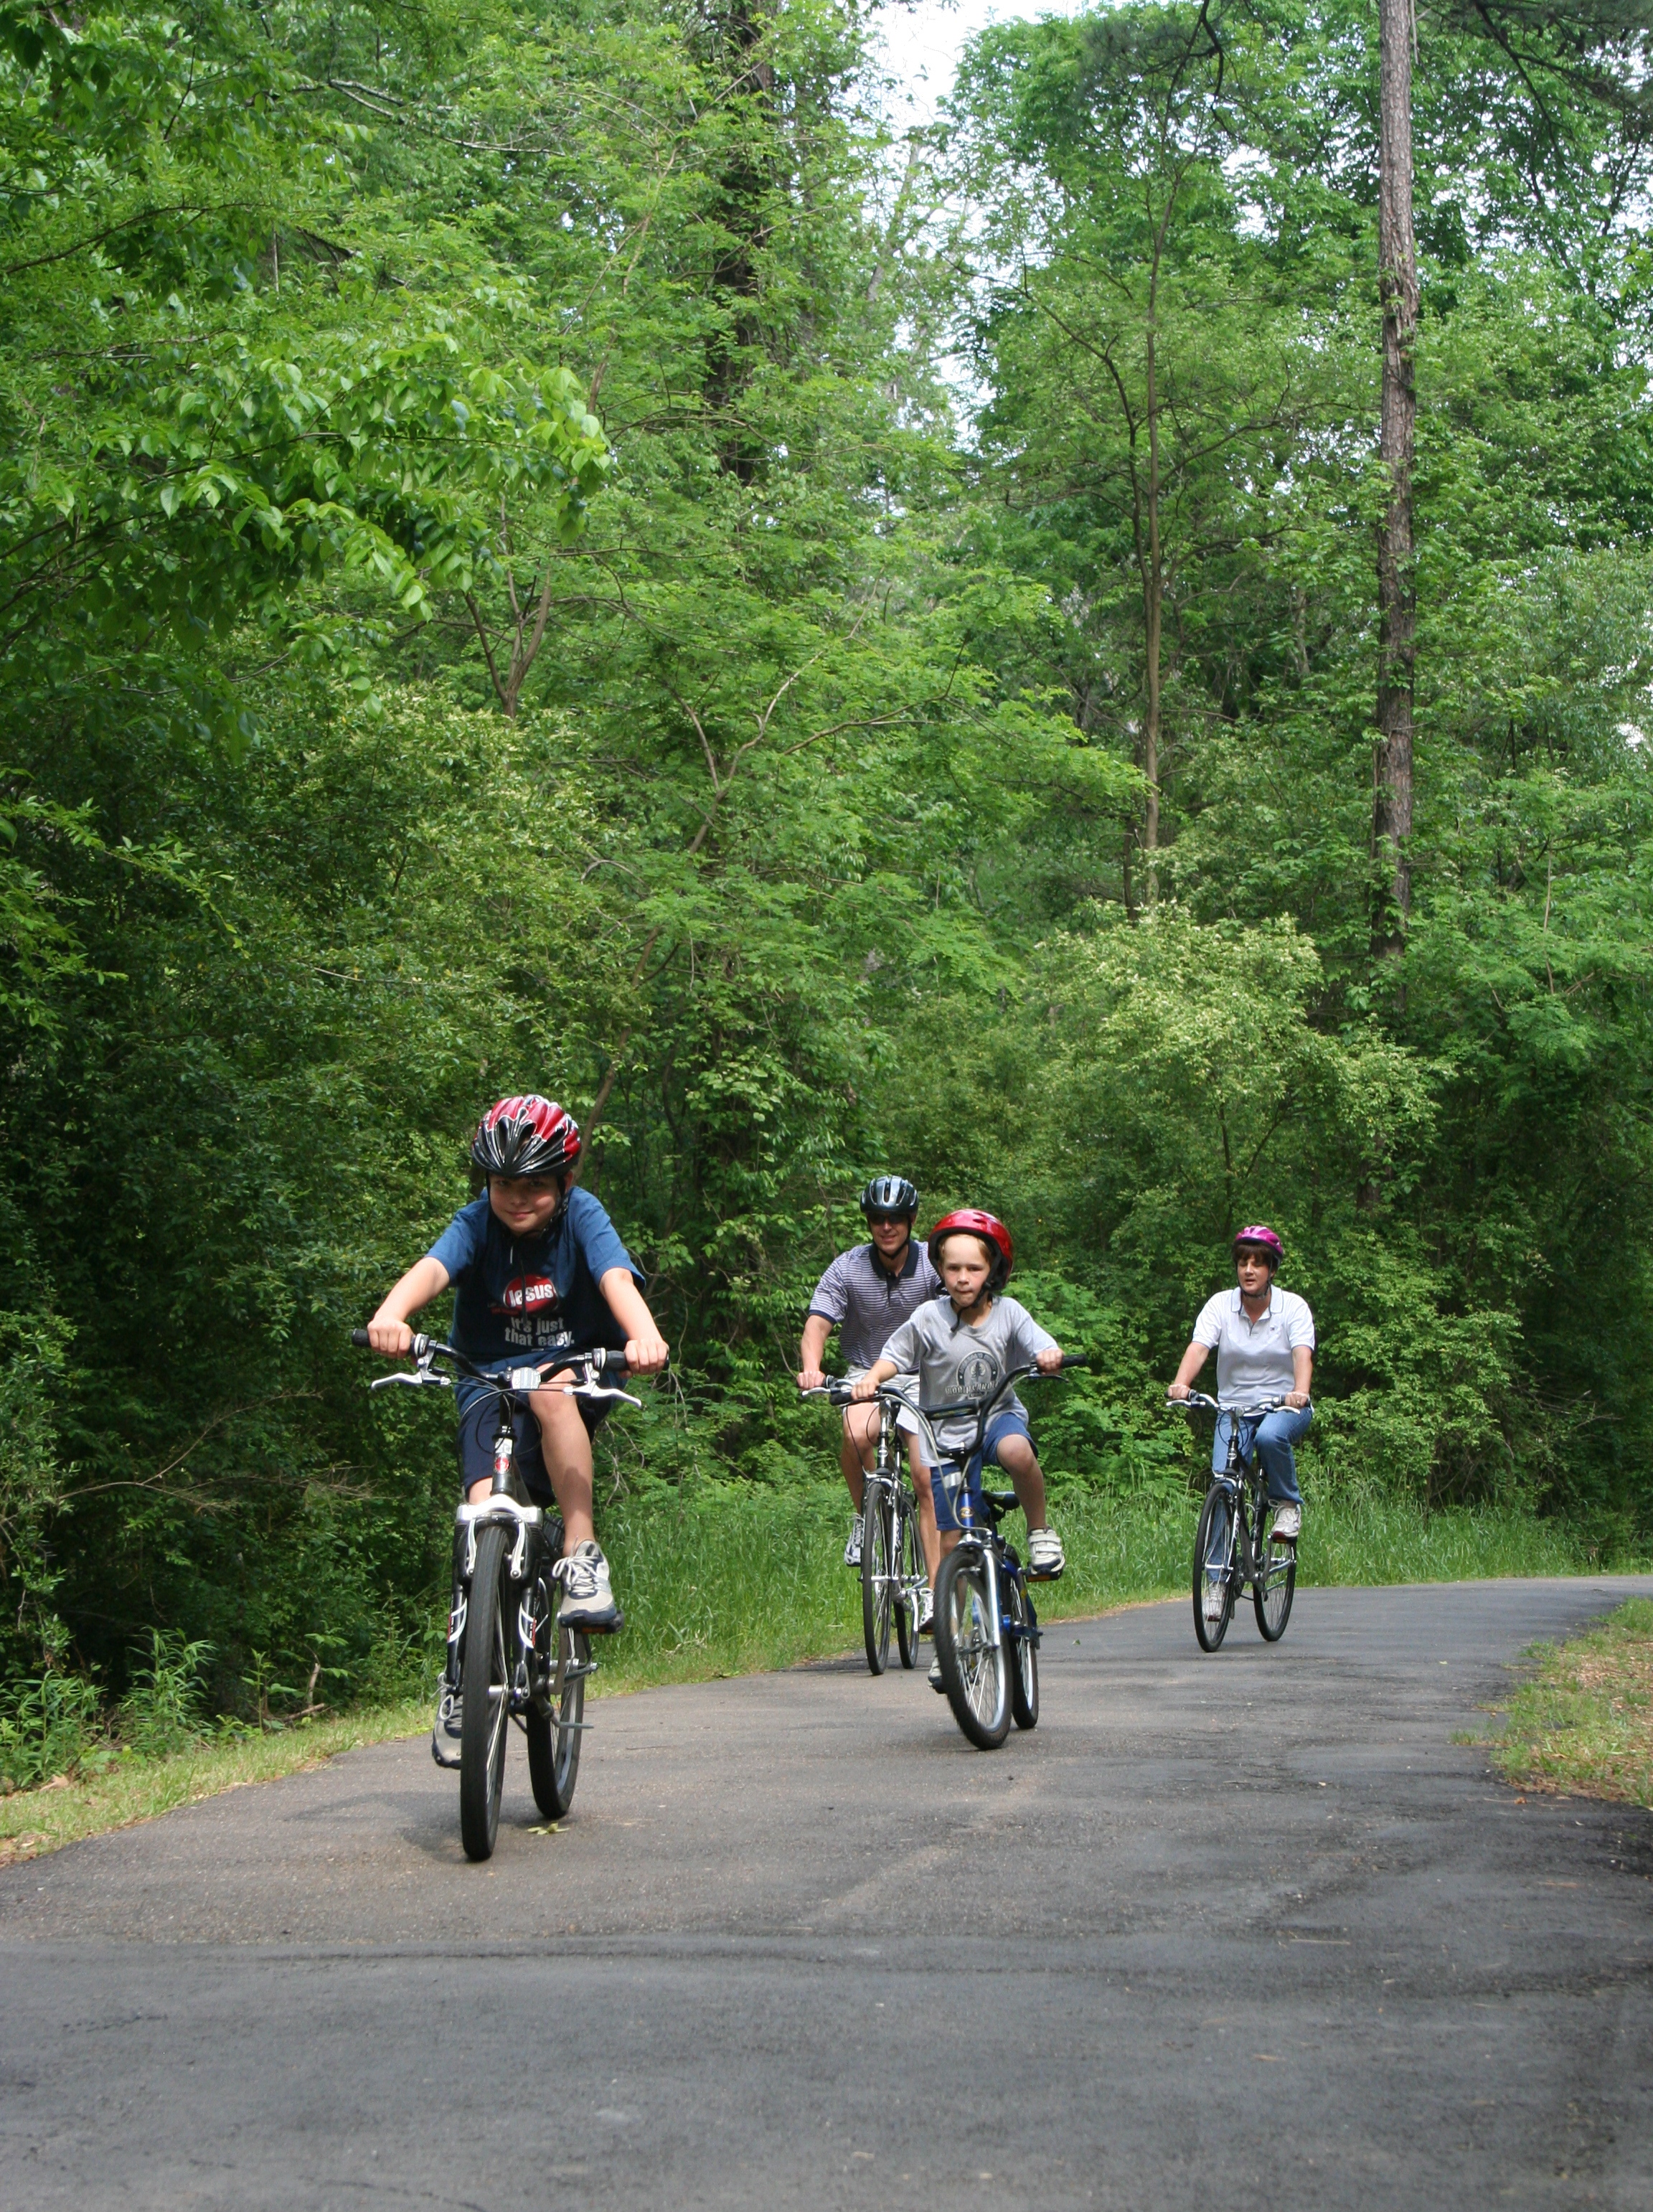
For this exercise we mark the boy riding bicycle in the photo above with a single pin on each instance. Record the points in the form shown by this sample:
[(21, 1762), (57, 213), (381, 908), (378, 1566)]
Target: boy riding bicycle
[(962, 1346), (536, 1266)]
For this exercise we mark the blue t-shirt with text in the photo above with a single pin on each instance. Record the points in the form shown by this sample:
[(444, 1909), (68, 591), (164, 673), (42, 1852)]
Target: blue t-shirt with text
[(519, 1296)]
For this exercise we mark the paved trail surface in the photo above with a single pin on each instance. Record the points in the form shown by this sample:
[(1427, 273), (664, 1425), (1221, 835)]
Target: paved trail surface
[(1247, 1931)]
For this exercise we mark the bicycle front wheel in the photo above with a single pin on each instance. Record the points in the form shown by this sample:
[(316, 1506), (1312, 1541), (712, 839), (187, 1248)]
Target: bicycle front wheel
[(877, 1515), (974, 1666), (1213, 1568), (486, 1680), (554, 1729), (912, 1581)]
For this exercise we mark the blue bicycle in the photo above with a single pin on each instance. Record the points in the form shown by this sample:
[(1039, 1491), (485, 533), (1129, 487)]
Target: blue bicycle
[(986, 1627)]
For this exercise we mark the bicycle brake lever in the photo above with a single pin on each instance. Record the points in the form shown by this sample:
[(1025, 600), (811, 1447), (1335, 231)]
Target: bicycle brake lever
[(413, 1382)]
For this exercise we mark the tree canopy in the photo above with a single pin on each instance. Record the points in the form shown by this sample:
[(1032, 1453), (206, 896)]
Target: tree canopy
[(540, 548)]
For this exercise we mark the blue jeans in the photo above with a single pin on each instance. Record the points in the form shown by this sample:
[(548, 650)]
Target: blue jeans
[(1274, 1435)]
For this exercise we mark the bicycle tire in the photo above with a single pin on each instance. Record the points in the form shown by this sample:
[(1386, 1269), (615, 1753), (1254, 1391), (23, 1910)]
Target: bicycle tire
[(487, 1715), (975, 1672), (876, 1516), (1024, 1663), (553, 1730), (1210, 1633), (1271, 1600), (909, 1566)]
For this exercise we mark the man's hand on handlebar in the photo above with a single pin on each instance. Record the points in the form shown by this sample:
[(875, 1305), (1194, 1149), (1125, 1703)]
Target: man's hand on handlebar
[(812, 1378), (392, 1338), (1049, 1361)]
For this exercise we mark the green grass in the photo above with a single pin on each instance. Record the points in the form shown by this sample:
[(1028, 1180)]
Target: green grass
[(737, 1583), (1583, 1725)]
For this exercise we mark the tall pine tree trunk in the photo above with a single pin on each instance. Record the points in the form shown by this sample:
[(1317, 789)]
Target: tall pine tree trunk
[(1396, 601)]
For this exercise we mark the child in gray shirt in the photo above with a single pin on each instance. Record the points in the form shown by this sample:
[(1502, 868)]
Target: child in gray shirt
[(962, 1346)]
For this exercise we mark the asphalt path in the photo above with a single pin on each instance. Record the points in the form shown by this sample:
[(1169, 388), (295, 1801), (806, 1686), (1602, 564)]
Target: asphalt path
[(1251, 1931)]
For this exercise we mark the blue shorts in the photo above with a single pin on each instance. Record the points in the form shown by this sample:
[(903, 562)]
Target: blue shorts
[(1000, 1426), (474, 1441)]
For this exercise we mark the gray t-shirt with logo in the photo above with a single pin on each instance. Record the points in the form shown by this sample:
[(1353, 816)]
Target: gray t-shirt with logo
[(954, 1362), (864, 1301)]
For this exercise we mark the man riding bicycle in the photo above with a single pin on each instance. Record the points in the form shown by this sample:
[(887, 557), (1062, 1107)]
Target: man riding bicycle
[(867, 1294), (1264, 1340), (536, 1266)]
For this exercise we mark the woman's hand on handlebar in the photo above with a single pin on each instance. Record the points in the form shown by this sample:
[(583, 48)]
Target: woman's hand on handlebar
[(1296, 1399), (1176, 1390)]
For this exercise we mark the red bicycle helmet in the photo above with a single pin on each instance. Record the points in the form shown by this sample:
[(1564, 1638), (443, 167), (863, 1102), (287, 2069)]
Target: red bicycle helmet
[(525, 1136), (995, 1237), (1262, 1238)]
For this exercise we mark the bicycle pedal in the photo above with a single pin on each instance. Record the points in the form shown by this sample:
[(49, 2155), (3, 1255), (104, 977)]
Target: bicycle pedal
[(1048, 1574), (600, 1627)]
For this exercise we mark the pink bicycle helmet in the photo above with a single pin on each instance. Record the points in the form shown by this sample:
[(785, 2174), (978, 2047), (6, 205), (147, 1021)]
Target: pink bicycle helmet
[(1261, 1238)]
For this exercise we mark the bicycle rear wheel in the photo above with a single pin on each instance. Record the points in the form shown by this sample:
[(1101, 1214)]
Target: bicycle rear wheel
[(1271, 1598), (877, 1515), (1213, 1563), (487, 1680), (909, 1568), (554, 1731), (1024, 1653), (974, 1668)]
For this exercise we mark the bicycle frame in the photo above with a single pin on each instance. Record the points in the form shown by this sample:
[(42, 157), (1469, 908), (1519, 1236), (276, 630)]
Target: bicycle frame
[(506, 1502), (1245, 1480)]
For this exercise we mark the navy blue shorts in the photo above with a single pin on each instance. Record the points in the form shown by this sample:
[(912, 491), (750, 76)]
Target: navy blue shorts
[(1000, 1426), (478, 1423)]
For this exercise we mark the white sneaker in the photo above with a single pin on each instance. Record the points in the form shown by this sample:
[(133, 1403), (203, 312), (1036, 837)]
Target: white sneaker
[(1288, 1523), (1045, 1556), (926, 1611), (852, 1548), (1216, 1596), (936, 1682), (587, 1594), (448, 1726)]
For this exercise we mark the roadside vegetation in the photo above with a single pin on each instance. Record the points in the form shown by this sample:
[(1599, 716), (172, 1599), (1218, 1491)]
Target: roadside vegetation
[(727, 1584), (1583, 1724)]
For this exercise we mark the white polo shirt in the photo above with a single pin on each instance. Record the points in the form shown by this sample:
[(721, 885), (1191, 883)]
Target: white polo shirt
[(1253, 1358)]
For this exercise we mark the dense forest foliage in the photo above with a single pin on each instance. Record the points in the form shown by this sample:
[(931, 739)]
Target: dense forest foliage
[(541, 547)]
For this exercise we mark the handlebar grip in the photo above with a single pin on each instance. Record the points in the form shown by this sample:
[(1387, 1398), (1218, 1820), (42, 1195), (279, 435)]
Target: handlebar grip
[(360, 1339)]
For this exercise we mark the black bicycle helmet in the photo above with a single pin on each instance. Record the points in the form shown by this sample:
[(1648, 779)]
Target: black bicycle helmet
[(525, 1136), (890, 1194)]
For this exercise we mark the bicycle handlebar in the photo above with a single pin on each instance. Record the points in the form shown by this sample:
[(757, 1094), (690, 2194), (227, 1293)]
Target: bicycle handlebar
[(1240, 1413), (600, 1359)]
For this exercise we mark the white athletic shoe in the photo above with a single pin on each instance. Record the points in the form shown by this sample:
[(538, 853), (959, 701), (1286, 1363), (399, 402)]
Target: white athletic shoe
[(926, 1611), (447, 1728), (852, 1548), (587, 1594), (1045, 1556), (936, 1682), (1216, 1595), (1288, 1523)]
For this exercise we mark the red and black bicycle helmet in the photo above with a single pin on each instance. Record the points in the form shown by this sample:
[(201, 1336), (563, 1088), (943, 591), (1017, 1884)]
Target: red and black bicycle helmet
[(969, 1220), (525, 1136), (1261, 1238)]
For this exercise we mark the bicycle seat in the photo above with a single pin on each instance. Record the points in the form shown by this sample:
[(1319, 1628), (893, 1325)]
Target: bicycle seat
[(1001, 1501)]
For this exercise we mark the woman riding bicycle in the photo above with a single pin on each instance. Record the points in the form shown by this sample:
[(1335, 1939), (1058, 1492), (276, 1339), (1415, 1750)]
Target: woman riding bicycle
[(1264, 1340)]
